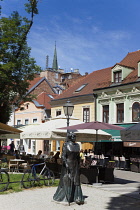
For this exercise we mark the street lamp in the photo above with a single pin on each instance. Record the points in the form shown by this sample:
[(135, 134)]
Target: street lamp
[(68, 110)]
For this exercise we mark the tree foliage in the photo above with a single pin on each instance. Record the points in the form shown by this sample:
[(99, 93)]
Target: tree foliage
[(17, 68)]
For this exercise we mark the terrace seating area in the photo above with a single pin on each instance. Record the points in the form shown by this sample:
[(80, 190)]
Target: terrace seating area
[(96, 169)]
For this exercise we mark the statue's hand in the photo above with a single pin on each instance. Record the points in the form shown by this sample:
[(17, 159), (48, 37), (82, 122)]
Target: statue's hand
[(66, 165)]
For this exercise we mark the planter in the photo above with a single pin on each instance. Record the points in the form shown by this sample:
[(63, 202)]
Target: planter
[(88, 175), (134, 166), (56, 168), (106, 175)]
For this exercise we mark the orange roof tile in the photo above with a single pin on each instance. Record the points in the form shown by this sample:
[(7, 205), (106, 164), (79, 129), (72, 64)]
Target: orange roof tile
[(34, 81), (102, 78), (44, 99), (97, 79), (131, 59)]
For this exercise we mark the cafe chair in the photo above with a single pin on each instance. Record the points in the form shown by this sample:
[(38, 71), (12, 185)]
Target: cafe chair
[(12, 165)]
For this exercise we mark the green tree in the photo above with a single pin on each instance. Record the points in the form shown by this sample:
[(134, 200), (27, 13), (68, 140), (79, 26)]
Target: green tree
[(17, 68)]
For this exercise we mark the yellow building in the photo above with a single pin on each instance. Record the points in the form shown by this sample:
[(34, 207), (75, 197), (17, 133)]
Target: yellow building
[(102, 95), (84, 107)]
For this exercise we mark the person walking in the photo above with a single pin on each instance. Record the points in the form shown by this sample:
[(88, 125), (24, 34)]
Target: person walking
[(12, 148)]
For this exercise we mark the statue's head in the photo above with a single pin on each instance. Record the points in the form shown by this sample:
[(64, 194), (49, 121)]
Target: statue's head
[(71, 136)]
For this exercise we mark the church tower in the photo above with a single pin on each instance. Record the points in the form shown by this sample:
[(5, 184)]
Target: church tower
[(55, 63)]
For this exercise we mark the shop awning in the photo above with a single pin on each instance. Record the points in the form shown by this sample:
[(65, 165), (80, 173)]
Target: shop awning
[(131, 144), (111, 140), (6, 129), (116, 135), (131, 133)]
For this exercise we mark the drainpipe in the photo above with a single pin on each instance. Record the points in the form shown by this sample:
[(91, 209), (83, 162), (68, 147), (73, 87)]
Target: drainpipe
[(95, 105)]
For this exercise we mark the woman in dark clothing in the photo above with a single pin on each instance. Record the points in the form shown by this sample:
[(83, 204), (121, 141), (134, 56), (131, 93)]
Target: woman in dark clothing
[(69, 189), (56, 156), (12, 148)]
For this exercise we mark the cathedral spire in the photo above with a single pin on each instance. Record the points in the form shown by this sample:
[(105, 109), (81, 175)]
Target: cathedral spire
[(55, 63)]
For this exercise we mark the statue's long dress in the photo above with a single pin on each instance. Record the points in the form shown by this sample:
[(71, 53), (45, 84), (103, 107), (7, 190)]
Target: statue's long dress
[(69, 189)]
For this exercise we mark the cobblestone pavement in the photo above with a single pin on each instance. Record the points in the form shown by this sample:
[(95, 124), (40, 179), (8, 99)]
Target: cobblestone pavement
[(126, 183), (122, 195)]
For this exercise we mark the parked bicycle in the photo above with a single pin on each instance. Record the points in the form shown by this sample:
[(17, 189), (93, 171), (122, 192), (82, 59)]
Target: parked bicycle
[(30, 176), (4, 180)]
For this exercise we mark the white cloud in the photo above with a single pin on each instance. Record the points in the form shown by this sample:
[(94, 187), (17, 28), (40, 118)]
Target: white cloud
[(81, 42), (77, 50)]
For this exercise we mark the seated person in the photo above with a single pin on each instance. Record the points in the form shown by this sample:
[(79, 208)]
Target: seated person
[(56, 156), (17, 154), (51, 154), (39, 155)]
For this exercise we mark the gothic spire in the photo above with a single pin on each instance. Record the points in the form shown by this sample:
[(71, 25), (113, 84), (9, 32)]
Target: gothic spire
[(55, 63)]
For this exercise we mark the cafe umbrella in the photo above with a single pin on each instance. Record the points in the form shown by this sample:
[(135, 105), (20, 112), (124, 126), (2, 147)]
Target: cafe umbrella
[(6, 129), (49, 130), (96, 125)]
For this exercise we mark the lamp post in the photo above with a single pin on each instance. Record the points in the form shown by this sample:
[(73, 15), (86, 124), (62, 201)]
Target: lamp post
[(68, 110)]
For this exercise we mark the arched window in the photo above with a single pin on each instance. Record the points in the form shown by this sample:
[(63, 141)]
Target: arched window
[(136, 112)]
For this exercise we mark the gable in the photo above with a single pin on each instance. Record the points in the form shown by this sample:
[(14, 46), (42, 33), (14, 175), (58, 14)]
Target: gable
[(40, 84), (125, 71)]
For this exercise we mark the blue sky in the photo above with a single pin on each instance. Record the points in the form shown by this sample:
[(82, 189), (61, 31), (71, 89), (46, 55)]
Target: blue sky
[(89, 34)]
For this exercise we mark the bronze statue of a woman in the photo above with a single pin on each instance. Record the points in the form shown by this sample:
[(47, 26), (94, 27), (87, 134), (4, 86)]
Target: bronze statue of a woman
[(69, 189)]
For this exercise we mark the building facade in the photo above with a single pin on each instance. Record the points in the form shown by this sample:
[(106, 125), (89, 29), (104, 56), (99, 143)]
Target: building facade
[(44, 87), (119, 102), (110, 95)]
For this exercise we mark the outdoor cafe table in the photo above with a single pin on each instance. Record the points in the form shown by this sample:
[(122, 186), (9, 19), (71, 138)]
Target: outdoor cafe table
[(104, 173), (98, 170), (16, 162)]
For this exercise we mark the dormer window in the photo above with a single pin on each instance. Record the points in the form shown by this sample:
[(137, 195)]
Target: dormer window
[(51, 96), (80, 88), (120, 72), (117, 76)]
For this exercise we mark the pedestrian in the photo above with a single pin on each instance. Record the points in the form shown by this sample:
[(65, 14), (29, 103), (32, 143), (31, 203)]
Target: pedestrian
[(12, 148), (82, 157)]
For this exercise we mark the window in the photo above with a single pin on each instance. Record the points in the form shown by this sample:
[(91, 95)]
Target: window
[(35, 120), (51, 96), (80, 88), (33, 146), (117, 76), (21, 141), (63, 78), (136, 112), (57, 145), (26, 121), (46, 146), (29, 143), (106, 113), (58, 112), (18, 143), (58, 91), (86, 114), (56, 75), (120, 113), (18, 122)]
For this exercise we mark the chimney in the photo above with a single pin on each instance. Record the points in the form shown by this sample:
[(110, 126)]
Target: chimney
[(47, 61), (76, 71)]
